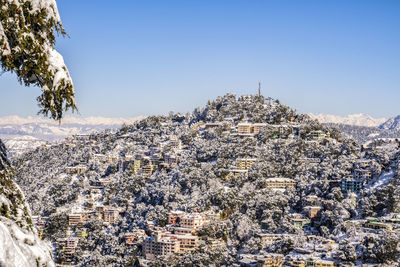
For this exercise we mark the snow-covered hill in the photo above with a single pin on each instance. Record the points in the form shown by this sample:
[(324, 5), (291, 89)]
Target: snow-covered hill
[(391, 124), (352, 119), (21, 247), (19, 144), (19, 242), (21, 134)]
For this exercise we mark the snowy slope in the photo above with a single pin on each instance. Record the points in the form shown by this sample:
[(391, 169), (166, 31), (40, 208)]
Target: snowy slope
[(20, 247), (20, 144), (391, 124), (19, 244), (353, 119)]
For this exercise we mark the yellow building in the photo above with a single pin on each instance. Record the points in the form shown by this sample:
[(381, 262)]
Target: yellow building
[(245, 163), (136, 165), (245, 128), (148, 169), (271, 260)]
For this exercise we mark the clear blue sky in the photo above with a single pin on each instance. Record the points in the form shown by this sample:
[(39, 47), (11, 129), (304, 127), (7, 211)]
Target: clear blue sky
[(149, 57)]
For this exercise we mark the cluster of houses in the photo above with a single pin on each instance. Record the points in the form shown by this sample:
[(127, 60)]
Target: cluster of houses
[(244, 164), (248, 129), (312, 253), (363, 171), (390, 223), (66, 247), (279, 260), (178, 236)]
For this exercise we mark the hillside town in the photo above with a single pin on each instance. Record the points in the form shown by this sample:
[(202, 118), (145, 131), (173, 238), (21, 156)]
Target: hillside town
[(244, 181)]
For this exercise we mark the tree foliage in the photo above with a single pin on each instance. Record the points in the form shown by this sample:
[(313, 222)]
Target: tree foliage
[(27, 39)]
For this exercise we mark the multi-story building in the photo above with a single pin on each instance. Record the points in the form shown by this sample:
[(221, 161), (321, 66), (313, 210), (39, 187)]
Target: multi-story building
[(148, 169), (245, 163), (270, 260), (363, 174), (165, 243), (187, 242), (280, 183), (350, 184), (74, 219), (111, 215), (186, 220), (258, 126), (67, 245), (162, 244), (136, 165), (268, 239), (245, 128)]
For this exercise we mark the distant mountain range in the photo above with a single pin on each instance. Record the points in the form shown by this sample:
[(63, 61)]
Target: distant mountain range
[(21, 134), (391, 124), (352, 119)]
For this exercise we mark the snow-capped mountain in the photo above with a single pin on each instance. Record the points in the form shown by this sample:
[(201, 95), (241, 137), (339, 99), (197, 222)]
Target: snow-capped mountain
[(352, 119), (21, 134), (391, 124)]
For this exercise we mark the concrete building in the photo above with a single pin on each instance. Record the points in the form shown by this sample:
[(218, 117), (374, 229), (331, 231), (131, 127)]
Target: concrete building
[(186, 220), (270, 260), (258, 126), (363, 174), (268, 239), (163, 246), (280, 183), (148, 169), (74, 219), (111, 216), (67, 245), (245, 163), (76, 169), (245, 128), (352, 185)]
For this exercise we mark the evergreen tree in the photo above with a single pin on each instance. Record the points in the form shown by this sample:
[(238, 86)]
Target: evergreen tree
[(27, 39)]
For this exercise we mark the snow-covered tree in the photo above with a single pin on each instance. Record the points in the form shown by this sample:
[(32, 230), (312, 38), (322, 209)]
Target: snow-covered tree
[(27, 39)]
